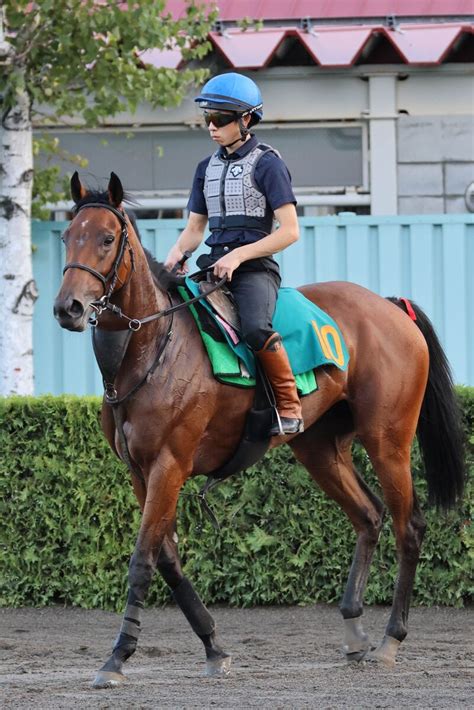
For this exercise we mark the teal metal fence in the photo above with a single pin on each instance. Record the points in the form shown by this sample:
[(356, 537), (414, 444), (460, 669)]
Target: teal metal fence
[(427, 258)]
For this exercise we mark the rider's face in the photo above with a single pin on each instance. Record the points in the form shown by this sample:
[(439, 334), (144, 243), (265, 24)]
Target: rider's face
[(223, 135)]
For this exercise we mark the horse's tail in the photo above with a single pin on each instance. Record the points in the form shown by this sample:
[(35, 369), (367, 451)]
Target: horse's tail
[(439, 431)]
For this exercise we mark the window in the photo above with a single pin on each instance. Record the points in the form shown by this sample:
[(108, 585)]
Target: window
[(158, 166)]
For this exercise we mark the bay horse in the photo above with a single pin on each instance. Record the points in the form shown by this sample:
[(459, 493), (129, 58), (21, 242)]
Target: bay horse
[(169, 419)]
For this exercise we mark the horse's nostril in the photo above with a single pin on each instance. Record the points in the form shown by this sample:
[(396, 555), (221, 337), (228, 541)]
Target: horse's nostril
[(68, 309), (76, 309)]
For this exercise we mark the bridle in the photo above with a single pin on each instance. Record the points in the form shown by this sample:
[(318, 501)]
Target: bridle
[(103, 304), (112, 276), (110, 346)]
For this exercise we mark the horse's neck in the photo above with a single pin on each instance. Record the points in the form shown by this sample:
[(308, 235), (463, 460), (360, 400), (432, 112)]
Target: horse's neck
[(140, 297), (137, 299)]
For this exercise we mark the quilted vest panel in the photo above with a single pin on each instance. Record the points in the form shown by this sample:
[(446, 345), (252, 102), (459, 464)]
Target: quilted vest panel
[(232, 198)]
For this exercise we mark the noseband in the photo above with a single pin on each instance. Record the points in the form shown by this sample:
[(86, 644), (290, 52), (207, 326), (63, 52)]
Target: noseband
[(112, 276)]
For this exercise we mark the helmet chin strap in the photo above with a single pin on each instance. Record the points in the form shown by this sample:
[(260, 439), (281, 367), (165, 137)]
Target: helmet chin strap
[(243, 133)]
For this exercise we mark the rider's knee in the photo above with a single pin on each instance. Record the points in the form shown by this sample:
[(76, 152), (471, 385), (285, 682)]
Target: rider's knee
[(256, 338)]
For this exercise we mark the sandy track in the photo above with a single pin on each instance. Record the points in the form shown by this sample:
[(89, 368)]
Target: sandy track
[(282, 658)]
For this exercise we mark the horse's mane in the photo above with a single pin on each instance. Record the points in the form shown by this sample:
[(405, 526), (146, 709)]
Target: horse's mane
[(164, 279)]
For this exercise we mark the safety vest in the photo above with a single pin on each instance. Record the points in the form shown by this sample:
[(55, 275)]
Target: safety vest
[(232, 198)]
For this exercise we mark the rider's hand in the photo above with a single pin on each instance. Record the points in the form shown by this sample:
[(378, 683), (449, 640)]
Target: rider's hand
[(227, 264), (175, 255)]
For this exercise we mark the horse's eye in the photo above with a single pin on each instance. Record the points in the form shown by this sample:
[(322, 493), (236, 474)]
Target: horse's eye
[(108, 241)]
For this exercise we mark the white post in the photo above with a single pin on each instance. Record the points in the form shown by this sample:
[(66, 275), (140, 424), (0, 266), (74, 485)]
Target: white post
[(383, 144), (17, 287)]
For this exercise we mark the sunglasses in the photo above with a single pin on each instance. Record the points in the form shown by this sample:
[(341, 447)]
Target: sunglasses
[(219, 120)]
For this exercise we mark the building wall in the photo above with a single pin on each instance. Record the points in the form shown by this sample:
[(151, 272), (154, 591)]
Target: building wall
[(418, 131), (435, 163), (313, 94)]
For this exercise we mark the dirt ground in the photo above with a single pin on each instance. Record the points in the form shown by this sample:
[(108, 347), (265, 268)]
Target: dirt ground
[(282, 658)]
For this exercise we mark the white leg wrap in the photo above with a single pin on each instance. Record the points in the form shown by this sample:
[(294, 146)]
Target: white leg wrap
[(355, 638), (131, 621)]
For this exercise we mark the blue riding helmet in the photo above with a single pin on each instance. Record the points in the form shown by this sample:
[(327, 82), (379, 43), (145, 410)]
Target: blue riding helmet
[(232, 92)]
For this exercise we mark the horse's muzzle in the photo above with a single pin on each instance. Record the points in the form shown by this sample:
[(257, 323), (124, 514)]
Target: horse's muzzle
[(70, 314)]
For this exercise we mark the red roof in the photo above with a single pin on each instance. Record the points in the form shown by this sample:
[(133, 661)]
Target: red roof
[(231, 11), (426, 44), (336, 45), (163, 58)]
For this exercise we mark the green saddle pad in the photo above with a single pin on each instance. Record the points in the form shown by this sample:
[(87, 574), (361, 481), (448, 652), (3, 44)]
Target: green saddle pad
[(310, 336)]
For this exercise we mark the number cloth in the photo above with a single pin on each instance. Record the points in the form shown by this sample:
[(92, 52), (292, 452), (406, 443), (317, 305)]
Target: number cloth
[(311, 337)]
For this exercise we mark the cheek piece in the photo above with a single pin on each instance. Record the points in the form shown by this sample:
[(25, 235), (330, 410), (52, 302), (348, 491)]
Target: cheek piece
[(243, 131)]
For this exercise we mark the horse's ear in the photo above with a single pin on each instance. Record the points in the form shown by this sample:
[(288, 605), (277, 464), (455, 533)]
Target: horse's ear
[(78, 191), (115, 190)]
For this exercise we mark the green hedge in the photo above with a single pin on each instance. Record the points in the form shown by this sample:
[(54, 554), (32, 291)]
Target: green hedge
[(68, 523)]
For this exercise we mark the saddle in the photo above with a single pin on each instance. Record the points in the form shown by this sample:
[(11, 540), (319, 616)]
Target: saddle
[(221, 301)]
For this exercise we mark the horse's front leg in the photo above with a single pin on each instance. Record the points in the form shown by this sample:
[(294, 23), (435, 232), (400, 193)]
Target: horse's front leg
[(185, 596), (164, 483)]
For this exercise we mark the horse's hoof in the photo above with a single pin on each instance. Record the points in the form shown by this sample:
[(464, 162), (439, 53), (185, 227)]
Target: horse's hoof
[(218, 667), (384, 654), (377, 658), (108, 679), (356, 656)]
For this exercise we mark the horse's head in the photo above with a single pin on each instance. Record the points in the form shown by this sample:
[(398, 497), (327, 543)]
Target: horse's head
[(98, 255)]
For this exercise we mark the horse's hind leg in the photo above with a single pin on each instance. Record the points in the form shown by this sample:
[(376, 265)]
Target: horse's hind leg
[(352, 601), (201, 621), (391, 461), (325, 450)]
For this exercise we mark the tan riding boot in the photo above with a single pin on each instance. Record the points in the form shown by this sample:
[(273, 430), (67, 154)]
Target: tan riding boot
[(274, 360)]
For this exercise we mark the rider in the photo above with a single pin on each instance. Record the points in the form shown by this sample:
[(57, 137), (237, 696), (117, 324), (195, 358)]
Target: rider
[(240, 190)]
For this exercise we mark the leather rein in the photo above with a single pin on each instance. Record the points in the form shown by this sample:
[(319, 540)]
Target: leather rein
[(121, 338), (102, 304), (134, 324)]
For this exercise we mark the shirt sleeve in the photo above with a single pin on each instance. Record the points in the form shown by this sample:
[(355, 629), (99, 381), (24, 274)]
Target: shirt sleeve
[(274, 180), (197, 202)]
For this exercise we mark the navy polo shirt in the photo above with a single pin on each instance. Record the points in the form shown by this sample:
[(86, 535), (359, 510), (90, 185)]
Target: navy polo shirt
[(271, 177)]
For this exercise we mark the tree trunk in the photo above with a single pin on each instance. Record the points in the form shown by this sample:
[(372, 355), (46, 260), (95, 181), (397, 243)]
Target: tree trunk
[(17, 287)]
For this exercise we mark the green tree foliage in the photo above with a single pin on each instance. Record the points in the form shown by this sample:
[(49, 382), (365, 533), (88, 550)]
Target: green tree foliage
[(48, 185), (84, 59), (69, 520)]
